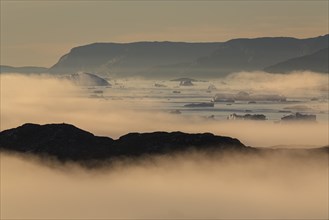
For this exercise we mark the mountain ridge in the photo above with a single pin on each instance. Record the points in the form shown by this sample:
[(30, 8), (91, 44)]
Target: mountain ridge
[(147, 58), (256, 54), (316, 62), (160, 59)]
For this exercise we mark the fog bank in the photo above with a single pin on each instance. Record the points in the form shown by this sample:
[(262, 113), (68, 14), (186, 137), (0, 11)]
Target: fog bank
[(275, 186), (44, 99)]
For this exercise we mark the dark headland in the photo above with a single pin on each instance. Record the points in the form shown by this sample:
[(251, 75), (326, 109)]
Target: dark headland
[(66, 142)]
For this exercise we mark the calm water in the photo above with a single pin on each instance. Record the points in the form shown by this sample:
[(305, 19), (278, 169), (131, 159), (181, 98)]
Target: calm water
[(144, 95)]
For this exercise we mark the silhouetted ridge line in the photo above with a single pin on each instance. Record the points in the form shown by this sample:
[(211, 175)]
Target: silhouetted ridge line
[(67, 142), (171, 59), (316, 62)]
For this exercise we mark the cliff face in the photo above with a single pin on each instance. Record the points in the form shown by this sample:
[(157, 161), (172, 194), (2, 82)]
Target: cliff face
[(130, 58), (67, 142)]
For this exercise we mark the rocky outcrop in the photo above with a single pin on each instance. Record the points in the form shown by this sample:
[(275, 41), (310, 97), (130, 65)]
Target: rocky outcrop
[(67, 142), (61, 140)]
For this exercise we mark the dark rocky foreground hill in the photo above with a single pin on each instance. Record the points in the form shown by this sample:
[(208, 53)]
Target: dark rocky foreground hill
[(69, 143)]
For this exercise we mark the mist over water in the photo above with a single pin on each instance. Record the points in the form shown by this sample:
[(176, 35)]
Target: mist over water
[(277, 185), (44, 99), (296, 84)]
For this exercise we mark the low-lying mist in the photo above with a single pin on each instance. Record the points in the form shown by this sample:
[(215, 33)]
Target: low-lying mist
[(278, 185), (44, 99), (273, 185), (296, 84)]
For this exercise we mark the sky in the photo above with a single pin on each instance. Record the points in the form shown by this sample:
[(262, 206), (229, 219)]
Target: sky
[(38, 33)]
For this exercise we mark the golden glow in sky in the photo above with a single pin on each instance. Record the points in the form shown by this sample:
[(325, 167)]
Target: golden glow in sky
[(39, 32)]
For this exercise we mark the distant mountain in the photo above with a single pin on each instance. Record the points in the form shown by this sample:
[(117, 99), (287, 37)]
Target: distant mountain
[(130, 59), (180, 59), (24, 69), (67, 142), (316, 62), (256, 54), (175, 59)]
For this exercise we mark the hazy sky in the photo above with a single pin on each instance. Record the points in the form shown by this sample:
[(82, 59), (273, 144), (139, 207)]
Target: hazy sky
[(39, 32)]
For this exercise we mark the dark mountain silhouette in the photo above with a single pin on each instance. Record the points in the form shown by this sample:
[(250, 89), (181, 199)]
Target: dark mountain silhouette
[(67, 142), (61, 140), (316, 62), (163, 59), (24, 69)]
